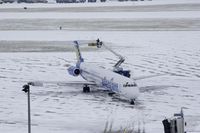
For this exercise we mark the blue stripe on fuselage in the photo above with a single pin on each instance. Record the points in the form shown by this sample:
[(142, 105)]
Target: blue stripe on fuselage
[(108, 84)]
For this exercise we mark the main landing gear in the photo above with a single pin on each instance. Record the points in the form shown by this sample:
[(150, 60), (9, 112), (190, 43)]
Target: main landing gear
[(111, 94), (132, 102), (86, 89)]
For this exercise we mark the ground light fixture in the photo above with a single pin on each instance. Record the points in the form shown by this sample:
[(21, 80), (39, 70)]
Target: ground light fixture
[(26, 89)]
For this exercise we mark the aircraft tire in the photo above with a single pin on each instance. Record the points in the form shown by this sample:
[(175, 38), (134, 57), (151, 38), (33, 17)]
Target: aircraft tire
[(110, 94), (132, 102), (86, 89)]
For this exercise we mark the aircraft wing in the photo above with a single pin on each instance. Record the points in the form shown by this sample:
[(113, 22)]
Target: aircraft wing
[(60, 83), (146, 77)]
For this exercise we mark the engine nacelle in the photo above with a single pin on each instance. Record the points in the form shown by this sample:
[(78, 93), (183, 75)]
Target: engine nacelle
[(74, 71)]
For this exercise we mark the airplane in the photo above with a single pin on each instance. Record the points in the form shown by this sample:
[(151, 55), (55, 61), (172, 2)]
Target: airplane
[(117, 81)]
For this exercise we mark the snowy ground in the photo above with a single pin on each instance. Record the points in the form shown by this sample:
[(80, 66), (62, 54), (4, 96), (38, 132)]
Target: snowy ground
[(60, 109)]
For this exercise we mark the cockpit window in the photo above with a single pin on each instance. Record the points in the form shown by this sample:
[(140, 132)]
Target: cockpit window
[(127, 84)]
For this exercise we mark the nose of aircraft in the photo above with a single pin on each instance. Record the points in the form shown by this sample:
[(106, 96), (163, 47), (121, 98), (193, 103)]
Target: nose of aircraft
[(131, 92)]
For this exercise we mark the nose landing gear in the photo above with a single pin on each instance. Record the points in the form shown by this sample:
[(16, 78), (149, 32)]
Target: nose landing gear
[(86, 89)]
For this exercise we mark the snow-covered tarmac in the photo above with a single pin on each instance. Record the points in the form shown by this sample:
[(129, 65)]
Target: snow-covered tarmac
[(173, 50)]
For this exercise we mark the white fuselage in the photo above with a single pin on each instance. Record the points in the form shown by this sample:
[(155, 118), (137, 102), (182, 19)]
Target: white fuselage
[(110, 80)]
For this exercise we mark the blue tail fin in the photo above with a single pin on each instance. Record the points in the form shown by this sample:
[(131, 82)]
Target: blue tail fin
[(78, 53)]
